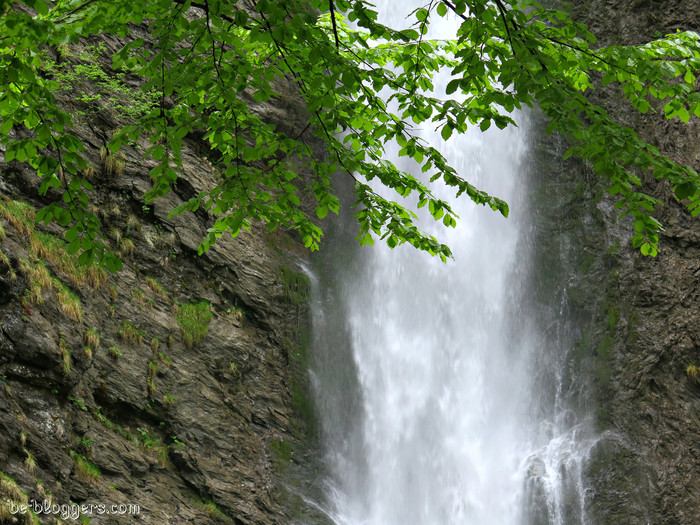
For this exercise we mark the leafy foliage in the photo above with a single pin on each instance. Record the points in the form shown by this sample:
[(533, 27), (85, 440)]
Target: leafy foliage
[(207, 64)]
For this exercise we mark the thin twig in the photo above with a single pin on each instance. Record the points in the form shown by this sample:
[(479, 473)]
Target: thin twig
[(335, 28)]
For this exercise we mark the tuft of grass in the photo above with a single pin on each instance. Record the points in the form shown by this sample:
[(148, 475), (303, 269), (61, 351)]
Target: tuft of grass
[(137, 294), (65, 356), (85, 443), (133, 223), (53, 250), (39, 278), (88, 352), (116, 210), (164, 359), (235, 313), (151, 377), (194, 319), (2, 232), (127, 247), (20, 215), (84, 469), (129, 333), (157, 288), (155, 344), (10, 493), (114, 352), (5, 260), (70, 304), (114, 164), (92, 338), (693, 373), (93, 275), (29, 462), (116, 234), (214, 513), (10, 490), (168, 399), (78, 402)]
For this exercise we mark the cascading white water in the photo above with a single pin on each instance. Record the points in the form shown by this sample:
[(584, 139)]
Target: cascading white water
[(424, 396)]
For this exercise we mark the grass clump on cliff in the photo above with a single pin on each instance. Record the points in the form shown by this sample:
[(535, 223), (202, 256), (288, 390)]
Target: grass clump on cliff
[(54, 250), (70, 304), (41, 280), (129, 333), (5, 260), (693, 373), (84, 469), (11, 494), (157, 288), (18, 214), (151, 377), (65, 356), (213, 512), (194, 319), (92, 338), (114, 352)]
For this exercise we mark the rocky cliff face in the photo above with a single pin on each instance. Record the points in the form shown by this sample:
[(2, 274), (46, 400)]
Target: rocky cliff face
[(634, 329), (178, 384)]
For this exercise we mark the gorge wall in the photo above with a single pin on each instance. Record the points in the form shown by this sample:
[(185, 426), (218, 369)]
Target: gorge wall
[(177, 384), (633, 330)]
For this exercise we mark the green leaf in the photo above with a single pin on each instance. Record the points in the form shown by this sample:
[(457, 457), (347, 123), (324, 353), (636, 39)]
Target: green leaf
[(452, 86), (41, 7), (71, 234), (648, 249), (114, 264), (685, 189), (446, 131)]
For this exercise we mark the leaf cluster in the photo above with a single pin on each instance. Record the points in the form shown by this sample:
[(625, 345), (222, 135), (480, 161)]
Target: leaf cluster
[(209, 66)]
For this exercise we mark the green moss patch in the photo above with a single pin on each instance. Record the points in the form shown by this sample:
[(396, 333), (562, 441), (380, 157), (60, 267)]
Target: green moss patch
[(194, 319)]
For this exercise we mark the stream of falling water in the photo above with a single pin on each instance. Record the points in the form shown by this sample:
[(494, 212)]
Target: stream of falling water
[(424, 388)]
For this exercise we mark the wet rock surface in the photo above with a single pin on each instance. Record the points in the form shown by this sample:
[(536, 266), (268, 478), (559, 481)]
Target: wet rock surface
[(634, 319)]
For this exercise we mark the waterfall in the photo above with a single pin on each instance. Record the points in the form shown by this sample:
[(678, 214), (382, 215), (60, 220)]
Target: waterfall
[(426, 374)]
